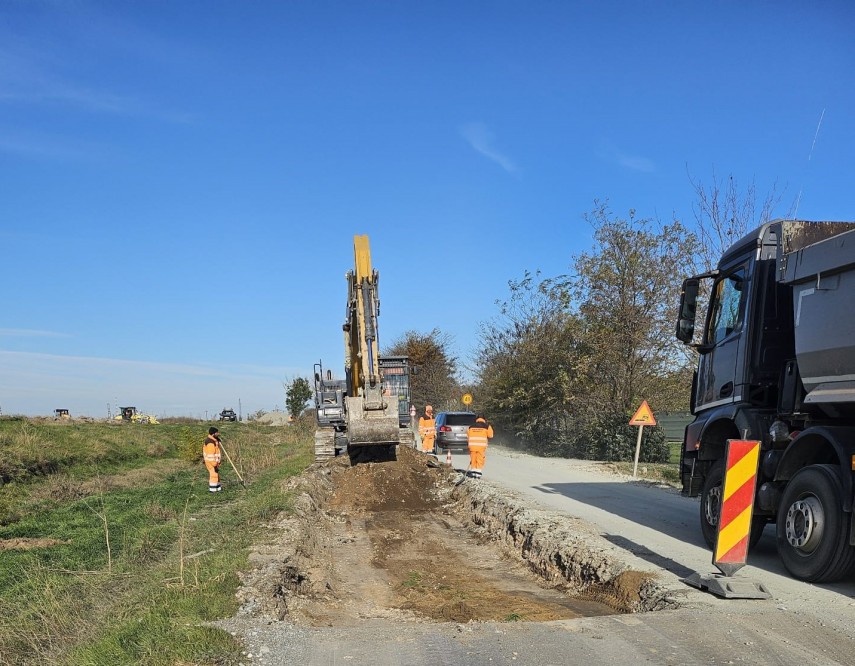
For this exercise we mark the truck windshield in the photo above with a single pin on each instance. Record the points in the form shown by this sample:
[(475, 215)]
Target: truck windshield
[(726, 306)]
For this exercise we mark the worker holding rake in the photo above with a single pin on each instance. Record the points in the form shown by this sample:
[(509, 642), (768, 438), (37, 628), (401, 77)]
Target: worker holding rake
[(212, 451), (211, 454)]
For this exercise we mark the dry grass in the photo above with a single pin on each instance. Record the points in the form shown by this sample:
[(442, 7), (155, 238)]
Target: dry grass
[(87, 555)]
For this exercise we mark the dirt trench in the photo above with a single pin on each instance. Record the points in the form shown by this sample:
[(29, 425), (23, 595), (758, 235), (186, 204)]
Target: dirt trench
[(408, 541)]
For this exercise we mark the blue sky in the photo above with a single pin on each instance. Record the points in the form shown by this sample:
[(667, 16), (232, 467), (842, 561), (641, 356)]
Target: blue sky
[(180, 181)]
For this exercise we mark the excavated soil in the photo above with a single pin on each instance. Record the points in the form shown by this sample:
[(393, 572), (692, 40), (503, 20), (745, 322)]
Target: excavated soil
[(409, 541)]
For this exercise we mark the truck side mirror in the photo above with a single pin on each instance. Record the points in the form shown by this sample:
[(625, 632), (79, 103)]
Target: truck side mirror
[(688, 308)]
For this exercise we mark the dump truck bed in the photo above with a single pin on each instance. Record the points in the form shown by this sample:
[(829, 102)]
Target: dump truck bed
[(822, 275)]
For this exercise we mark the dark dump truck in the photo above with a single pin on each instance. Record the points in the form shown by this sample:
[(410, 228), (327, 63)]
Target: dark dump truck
[(776, 363)]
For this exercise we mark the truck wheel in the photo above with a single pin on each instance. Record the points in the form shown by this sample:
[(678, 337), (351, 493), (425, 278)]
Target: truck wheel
[(711, 508), (813, 531)]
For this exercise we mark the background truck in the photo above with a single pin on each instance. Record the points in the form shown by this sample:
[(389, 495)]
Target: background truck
[(395, 371), (777, 364), (371, 428)]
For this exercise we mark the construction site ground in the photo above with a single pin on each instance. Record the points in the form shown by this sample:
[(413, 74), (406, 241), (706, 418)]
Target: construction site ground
[(409, 562)]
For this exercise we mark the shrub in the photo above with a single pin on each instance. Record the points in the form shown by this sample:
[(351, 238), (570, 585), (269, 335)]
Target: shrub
[(613, 440), (190, 444)]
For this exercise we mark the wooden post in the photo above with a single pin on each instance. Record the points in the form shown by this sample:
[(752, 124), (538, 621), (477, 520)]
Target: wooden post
[(637, 451)]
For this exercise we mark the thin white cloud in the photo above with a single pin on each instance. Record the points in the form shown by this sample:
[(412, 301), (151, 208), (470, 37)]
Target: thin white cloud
[(33, 74), (30, 333), (608, 152), (37, 145), (37, 383), (45, 91), (482, 140), (636, 162)]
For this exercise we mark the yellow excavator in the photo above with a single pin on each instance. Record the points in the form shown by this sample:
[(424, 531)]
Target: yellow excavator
[(360, 413)]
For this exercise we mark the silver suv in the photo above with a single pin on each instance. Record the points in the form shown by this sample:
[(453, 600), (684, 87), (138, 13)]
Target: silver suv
[(452, 430)]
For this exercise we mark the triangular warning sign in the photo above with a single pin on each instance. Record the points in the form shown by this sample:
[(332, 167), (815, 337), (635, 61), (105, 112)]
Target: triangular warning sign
[(644, 416)]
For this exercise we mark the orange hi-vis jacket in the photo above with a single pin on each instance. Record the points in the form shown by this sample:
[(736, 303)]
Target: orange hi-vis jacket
[(211, 450), (427, 427), (480, 433)]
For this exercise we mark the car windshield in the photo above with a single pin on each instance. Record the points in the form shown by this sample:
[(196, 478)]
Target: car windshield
[(461, 419)]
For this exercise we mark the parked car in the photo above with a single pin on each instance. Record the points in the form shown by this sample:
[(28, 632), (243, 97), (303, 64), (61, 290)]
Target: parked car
[(452, 431)]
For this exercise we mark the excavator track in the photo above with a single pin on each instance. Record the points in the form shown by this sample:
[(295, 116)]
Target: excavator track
[(324, 444), (407, 437)]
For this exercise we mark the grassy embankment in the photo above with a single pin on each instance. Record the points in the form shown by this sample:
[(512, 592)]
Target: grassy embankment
[(668, 473), (112, 551)]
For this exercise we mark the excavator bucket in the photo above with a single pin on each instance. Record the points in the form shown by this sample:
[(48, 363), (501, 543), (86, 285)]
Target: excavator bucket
[(368, 427)]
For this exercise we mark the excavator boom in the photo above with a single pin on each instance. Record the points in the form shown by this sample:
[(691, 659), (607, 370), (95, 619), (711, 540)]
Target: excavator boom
[(372, 419), (371, 412)]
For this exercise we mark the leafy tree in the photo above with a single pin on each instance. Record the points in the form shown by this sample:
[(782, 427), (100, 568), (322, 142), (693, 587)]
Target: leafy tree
[(529, 367), (625, 292), (435, 380), (297, 393), (570, 358)]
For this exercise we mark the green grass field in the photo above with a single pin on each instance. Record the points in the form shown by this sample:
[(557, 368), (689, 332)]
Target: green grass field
[(112, 551)]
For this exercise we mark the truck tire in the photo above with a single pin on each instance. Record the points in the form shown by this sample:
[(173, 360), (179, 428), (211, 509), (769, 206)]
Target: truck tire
[(812, 529), (711, 508)]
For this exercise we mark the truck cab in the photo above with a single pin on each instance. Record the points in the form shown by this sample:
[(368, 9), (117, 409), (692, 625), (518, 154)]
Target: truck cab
[(777, 308)]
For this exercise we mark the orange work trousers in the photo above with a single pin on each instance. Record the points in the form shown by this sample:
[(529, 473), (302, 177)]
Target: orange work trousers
[(477, 458), (427, 443), (213, 474)]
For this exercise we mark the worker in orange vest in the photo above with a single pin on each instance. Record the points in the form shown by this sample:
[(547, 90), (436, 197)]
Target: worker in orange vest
[(478, 436), (427, 429), (211, 455)]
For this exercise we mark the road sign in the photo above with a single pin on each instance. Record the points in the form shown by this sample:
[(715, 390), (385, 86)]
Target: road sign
[(467, 399), (644, 416)]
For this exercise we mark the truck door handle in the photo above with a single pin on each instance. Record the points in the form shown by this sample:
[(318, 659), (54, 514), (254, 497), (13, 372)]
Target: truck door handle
[(726, 390)]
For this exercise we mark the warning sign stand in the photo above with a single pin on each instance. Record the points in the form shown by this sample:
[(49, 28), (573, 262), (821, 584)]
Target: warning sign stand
[(643, 416), (734, 526)]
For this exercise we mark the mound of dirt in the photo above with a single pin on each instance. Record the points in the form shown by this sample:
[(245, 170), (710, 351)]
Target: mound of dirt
[(408, 483), (275, 418)]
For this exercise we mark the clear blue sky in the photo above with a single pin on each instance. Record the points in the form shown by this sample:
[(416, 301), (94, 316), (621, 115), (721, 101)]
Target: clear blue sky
[(180, 181)]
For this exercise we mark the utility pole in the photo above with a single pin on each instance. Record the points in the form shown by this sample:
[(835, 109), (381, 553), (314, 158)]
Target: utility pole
[(240, 414)]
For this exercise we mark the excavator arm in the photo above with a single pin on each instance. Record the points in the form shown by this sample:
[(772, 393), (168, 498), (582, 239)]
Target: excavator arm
[(372, 419)]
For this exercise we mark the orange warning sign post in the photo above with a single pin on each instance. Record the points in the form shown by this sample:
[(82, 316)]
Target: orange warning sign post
[(737, 505), (644, 416)]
